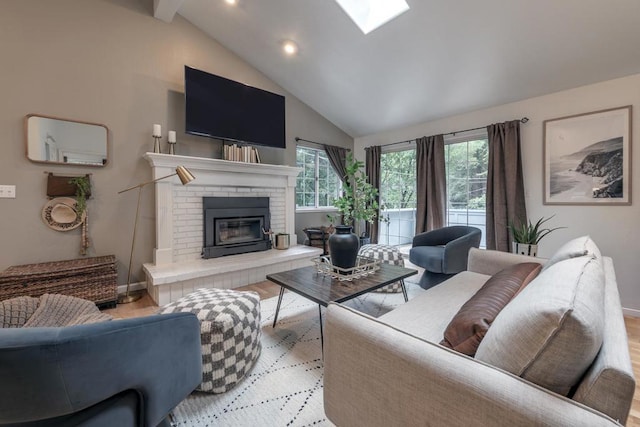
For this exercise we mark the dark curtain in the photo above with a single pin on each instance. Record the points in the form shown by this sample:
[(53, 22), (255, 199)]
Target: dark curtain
[(505, 184), (431, 183), (372, 169), (338, 158)]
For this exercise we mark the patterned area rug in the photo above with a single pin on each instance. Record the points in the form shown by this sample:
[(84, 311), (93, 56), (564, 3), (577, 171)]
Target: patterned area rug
[(284, 388)]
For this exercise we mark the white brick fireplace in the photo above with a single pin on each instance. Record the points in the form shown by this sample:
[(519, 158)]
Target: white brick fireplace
[(178, 267)]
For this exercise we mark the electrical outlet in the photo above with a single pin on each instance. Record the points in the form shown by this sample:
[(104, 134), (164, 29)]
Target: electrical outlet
[(7, 191)]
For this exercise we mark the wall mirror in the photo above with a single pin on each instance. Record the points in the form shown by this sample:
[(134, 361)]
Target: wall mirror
[(64, 141)]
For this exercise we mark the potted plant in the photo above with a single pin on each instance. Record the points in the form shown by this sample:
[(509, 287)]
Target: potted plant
[(357, 204), (527, 235)]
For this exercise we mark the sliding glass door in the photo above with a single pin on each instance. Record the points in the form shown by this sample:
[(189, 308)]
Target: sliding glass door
[(466, 158), (398, 197), (466, 172)]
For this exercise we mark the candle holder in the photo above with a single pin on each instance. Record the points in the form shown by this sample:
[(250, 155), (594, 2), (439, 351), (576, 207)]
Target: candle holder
[(156, 144), (171, 139)]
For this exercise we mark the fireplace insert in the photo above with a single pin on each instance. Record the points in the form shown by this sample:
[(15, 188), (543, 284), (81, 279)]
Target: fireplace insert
[(235, 225)]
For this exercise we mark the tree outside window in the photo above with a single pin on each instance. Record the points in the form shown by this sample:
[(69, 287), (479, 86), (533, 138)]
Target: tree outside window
[(398, 196), (398, 179), (466, 169)]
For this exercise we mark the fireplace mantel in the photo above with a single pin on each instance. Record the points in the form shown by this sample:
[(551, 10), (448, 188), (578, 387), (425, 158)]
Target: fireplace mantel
[(246, 171)]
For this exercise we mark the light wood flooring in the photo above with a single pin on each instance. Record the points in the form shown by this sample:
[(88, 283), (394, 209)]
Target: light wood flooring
[(145, 306)]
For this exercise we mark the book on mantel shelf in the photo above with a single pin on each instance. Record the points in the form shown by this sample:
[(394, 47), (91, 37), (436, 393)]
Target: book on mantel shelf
[(243, 153)]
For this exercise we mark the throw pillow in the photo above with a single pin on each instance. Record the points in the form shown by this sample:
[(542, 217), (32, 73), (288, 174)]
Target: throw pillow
[(551, 333), (469, 326), (577, 247)]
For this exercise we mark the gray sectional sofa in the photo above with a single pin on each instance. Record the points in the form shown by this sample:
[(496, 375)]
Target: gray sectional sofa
[(555, 355)]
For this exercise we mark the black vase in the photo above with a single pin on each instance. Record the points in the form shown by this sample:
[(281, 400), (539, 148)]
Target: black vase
[(344, 245)]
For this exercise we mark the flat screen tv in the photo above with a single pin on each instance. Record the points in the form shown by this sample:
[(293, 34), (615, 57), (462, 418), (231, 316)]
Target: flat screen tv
[(217, 107)]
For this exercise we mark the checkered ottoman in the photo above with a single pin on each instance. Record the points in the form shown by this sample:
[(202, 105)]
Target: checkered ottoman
[(389, 255), (229, 333)]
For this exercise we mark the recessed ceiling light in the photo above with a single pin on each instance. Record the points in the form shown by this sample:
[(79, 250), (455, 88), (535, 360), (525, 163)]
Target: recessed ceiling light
[(232, 2), (371, 14), (290, 47)]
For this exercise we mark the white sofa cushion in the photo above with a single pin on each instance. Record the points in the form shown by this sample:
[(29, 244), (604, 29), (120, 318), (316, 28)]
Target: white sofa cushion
[(428, 314), (577, 247), (551, 332)]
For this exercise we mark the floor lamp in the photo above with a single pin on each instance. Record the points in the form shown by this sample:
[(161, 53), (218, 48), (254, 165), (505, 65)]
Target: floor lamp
[(185, 178)]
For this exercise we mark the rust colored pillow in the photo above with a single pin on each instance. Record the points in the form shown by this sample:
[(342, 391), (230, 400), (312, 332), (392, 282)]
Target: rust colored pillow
[(471, 323)]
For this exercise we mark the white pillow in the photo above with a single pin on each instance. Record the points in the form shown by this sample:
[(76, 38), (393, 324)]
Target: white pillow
[(551, 332), (577, 247)]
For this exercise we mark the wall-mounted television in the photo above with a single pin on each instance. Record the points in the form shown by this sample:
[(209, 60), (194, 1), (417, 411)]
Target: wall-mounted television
[(220, 108)]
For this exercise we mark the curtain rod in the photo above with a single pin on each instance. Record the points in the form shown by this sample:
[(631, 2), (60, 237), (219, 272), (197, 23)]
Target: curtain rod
[(319, 143), (522, 120)]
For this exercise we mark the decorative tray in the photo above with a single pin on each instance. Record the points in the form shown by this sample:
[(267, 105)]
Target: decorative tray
[(364, 266)]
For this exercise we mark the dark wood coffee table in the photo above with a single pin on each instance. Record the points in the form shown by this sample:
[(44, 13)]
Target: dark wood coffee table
[(323, 289)]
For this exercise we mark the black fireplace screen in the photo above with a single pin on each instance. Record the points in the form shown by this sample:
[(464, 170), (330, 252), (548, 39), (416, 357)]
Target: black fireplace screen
[(230, 231), (234, 225)]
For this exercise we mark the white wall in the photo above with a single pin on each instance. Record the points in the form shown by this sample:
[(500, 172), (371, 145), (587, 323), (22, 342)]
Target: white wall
[(614, 228)]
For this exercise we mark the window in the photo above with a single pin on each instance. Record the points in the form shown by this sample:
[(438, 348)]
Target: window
[(318, 184), (466, 161), (398, 197)]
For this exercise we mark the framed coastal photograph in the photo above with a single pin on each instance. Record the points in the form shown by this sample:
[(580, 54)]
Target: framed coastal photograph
[(587, 158)]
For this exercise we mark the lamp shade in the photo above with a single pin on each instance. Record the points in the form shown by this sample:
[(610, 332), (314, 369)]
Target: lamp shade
[(185, 175)]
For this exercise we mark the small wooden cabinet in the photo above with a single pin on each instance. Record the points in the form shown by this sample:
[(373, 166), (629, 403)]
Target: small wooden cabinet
[(93, 279)]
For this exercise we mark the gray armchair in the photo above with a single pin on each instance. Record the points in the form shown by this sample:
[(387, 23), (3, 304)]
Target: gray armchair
[(443, 252), (129, 372)]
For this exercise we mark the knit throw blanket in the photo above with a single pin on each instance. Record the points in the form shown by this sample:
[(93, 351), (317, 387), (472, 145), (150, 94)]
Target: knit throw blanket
[(49, 310)]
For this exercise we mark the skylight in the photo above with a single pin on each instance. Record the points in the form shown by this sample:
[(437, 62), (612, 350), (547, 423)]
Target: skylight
[(371, 14)]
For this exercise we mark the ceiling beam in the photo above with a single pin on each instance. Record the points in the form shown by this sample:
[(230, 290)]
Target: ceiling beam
[(165, 10)]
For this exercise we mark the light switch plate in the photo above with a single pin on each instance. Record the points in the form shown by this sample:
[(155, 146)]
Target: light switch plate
[(7, 191)]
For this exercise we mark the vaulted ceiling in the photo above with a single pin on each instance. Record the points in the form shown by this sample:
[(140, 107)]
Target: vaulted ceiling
[(440, 58)]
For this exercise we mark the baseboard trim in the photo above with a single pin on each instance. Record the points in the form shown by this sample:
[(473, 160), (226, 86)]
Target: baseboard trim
[(631, 312), (141, 285)]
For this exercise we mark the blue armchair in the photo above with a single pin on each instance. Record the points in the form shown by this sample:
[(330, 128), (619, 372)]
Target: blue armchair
[(443, 252), (129, 372)]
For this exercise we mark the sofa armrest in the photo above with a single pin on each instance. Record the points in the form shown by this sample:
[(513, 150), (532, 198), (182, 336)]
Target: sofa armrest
[(51, 372), (376, 375), (609, 383), (489, 262)]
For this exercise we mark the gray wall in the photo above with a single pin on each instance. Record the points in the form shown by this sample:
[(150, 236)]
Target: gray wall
[(110, 62)]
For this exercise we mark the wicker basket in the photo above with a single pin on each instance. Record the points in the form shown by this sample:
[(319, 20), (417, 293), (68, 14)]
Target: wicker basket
[(93, 279), (364, 267)]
